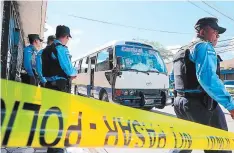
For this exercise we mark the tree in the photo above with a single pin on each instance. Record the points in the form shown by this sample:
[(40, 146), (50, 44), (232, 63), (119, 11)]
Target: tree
[(166, 54)]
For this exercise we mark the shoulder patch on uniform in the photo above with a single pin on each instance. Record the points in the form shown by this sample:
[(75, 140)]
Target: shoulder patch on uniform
[(211, 52), (29, 50), (210, 49)]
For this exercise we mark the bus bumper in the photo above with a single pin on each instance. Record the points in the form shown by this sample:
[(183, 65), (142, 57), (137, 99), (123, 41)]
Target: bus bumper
[(145, 101)]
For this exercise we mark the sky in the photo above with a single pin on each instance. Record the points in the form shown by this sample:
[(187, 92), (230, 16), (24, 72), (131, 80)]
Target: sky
[(179, 16)]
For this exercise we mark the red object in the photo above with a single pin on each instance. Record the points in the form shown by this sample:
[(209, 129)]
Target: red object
[(118, 92)]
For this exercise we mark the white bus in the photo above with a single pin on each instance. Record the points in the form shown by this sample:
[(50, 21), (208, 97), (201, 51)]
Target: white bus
[(124, 72)]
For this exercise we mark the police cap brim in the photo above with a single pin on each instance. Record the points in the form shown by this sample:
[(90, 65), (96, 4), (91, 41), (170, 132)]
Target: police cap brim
[(220, 30)]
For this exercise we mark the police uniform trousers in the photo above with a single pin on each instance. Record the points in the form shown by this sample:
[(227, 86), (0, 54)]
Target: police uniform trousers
[(194, 109), (59, 85), (32, 80)]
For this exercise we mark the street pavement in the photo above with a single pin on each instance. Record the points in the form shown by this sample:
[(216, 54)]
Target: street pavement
[(168, 110)]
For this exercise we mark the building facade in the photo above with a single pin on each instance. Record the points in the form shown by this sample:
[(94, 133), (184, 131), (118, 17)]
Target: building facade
[(18, 19), (227, 70)]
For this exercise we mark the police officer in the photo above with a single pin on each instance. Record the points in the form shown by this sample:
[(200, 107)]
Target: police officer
[(197, 84), (29, 59), (42, 79), (57, 67)]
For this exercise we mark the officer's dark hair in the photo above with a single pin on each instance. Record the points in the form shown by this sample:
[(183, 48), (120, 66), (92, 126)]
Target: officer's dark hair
[(31, 41), (61, 36), (201, 28), (50, 38)]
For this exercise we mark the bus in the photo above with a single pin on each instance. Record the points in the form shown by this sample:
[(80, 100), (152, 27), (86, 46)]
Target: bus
[(129, 73)]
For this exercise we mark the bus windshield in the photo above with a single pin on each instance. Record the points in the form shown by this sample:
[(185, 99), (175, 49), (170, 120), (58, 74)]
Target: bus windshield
[(140, 59)]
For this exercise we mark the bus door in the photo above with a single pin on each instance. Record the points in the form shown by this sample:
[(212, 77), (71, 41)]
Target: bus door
[(84, 77), (92, 69)]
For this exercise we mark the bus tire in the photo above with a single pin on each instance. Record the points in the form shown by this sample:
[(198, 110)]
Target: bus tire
[(163, 103), (148, 108), (104, 96), (161, 106), (75, 90)]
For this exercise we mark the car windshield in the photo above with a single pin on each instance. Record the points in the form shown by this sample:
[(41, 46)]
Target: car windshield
[(140, 59)]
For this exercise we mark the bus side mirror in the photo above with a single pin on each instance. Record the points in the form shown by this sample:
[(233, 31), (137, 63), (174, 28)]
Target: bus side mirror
[(119, 66), (110, 51), (119, 61)]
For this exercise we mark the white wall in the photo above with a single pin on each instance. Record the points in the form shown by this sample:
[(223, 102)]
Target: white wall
[(32, 17)]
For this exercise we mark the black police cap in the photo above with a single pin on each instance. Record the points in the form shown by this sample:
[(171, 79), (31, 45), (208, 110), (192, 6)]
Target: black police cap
[(51, 38), (209, 21), (62, 30), (33, 37)]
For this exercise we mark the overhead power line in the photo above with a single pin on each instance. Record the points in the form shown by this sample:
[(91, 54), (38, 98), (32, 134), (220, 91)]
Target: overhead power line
[(225, 45), (215, 47), (226, 40), (201, 8), (226, 50), (218, 11), (128, 26)]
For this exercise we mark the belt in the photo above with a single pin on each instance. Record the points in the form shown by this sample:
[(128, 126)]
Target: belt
[(189, 95), (208, 102), (54, 78), (54, 82)]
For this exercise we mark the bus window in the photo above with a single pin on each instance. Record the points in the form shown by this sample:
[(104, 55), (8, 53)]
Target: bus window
[(84, 65), (93, 62), (74, 64), (78, 66), (103, 61)]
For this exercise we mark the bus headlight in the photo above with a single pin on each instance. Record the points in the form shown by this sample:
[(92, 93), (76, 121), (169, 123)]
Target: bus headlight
[(131, 92), (125, 92)]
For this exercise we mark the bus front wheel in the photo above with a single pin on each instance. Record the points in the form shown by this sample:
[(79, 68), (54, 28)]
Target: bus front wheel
[(104, 96), (75, 90), (148, 108)]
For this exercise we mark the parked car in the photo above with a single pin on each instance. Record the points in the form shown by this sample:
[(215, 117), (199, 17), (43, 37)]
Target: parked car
[(229, 85)]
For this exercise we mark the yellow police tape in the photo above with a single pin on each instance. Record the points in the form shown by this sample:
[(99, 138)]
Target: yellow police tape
[(31, 116)]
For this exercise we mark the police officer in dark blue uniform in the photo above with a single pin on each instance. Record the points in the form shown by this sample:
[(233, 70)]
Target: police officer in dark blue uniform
[(57, 67), (29, 59), (199, 91)]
